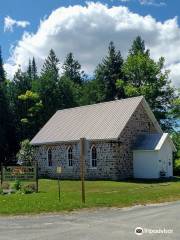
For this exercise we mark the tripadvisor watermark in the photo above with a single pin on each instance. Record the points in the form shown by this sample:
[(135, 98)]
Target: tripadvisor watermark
[(141, 231)]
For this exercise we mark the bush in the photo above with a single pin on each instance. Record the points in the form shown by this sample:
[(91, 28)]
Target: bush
[(177, 167), (26, 153), (29, 188), (16, 185), (1, 190), (5, 185)]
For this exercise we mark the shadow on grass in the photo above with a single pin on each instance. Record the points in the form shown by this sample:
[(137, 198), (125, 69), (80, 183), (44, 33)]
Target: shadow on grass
[(129, 180)]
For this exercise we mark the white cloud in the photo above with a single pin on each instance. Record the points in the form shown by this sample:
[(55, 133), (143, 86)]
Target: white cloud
[(152, 3), (87, 31), (124, 1), (9, 23)]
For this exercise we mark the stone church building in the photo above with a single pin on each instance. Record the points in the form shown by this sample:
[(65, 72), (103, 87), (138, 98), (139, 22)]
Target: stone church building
[(111, 129)]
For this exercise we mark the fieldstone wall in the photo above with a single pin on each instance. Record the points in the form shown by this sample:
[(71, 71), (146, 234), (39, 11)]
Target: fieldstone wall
[(114, 159), (138, 124), (105, 161)]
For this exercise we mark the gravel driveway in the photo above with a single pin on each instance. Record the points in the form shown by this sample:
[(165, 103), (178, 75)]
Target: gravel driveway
[(100, 224)]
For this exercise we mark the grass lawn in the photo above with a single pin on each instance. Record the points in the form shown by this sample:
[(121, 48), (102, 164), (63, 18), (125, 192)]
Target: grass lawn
[(98, 194)]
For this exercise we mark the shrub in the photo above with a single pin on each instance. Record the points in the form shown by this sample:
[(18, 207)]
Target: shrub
[(16, 185), (5, 185), (177, 167), (29, 188), (26, 153), (1, 190)]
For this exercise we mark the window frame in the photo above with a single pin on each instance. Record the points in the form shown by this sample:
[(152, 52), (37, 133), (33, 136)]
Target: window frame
[(49, 160), (70, 160), (93, 160)]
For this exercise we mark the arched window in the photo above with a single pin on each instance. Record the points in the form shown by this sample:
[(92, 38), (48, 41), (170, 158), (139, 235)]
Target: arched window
[(70, 156), (93, 157), (49, 157)]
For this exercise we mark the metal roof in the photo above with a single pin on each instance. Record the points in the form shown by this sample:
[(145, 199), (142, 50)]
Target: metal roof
[(100, 121), (152, 141)]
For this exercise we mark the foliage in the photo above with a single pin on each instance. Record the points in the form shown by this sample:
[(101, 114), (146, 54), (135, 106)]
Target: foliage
[(33, 108), (29, 188), (107, 73), (70, 92), (17, 185), (176, 140), (175, 112), (48, 87), (7, 129), (90, 92), (177, 167), (138, 47), (72, 69), (26, 153), (2, 72), (146, 77)]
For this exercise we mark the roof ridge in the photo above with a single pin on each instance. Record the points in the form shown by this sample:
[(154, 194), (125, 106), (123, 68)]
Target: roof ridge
[(90, 105)]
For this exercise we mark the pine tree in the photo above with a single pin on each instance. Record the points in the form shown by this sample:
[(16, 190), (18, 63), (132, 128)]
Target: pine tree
[(48, 88), (7, 130), (138, 46), (2, 72), (72, 69), (29, 70), (34, 69), (107, 74), (51, 65)]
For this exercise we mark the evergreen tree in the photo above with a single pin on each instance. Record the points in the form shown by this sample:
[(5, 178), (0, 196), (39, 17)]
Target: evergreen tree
[(2, 72), (34, 69), (19, 85), (51, 65), (138, 46), (29, 70), (107, 73), (72, 69), (48, 88), (8, 141), (3, 125), (90, 92), (70, 92)]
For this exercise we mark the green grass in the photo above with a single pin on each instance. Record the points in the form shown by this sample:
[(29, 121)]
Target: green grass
[(98, 194)]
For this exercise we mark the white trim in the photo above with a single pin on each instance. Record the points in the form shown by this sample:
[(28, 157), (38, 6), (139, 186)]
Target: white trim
[(160, 144), (91, 167), (47, 157), (67, 156), (163, 139)]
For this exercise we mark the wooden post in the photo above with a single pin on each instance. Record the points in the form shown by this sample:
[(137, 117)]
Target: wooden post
[(58, 171), (82, 166), (59, 187)]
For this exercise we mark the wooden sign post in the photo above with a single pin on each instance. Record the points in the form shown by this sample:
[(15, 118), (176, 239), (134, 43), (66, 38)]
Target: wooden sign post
[(82, 166), (59, 170)]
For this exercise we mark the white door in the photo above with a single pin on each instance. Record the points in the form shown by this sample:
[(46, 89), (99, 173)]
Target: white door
[(163, 167), (170, 166)]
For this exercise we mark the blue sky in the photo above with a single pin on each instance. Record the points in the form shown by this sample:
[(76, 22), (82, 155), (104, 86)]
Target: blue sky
[(35, 11)]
